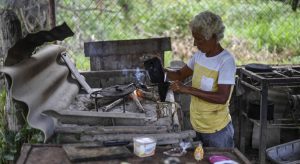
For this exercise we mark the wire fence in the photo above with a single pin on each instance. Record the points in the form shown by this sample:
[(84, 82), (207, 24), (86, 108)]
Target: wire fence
[(256, 30)]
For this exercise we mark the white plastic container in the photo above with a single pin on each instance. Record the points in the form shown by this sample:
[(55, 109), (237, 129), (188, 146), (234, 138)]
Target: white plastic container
[(144, 146)]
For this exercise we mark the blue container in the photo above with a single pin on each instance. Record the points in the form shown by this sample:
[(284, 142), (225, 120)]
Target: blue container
[(288, 153)]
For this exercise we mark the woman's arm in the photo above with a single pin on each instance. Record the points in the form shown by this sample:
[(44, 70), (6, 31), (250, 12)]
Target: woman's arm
[(219, 97), (180, 75)]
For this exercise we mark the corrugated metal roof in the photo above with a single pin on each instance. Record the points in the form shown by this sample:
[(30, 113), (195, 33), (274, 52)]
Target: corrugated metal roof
[(43, 82)]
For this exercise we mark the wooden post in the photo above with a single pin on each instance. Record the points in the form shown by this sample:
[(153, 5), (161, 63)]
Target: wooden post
[(52, 13)]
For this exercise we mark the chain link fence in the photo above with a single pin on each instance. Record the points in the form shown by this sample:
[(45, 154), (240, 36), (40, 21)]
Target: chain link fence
[(256, 30)]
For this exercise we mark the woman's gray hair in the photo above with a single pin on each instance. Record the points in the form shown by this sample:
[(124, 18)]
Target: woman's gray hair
[(207, 24)]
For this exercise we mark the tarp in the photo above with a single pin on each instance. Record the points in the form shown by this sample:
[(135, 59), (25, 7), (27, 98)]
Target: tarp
[(43, 82)]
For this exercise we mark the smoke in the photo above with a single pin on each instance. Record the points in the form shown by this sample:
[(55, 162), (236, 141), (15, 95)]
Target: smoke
[(139, 76), (125, 72)]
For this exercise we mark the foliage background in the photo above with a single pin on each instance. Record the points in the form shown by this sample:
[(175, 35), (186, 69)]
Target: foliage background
[(265, 31)]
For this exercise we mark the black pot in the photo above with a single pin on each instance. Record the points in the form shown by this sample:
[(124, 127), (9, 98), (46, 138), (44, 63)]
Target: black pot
[(254, 110), (255, 67), (155, 70)]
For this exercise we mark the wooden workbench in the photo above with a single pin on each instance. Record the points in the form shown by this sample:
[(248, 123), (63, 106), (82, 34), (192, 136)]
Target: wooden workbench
[(55, 154)]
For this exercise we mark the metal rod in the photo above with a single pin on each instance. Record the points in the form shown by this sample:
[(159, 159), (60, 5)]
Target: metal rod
[(280, 74), (242, 121), (96, 106), (242, 125), (263, 122), (250, 86), (124, 105)]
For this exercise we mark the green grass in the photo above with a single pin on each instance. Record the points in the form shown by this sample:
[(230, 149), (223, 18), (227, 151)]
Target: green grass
[(271, 24), (167, 58)]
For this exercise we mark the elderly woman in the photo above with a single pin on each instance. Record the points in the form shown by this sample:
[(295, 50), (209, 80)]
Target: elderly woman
[(213, 69)]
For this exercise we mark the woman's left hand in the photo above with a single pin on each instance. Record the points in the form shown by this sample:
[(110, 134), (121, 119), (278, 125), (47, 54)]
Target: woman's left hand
[(177, 86)]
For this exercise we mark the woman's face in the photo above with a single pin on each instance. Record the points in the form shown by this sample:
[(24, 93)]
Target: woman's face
[(202, 44)]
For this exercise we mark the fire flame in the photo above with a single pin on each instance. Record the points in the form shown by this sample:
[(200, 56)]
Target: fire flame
[(138, 93)]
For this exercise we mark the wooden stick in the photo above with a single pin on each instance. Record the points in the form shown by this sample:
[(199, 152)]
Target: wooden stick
[(137, 102), (113, 104), (148, 95)]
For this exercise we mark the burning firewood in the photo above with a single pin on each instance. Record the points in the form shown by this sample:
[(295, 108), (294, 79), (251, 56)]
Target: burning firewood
[(147, 95), (135, 98)]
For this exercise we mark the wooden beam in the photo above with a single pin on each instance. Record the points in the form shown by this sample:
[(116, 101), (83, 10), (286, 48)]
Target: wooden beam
[(75, 73), (52, 14), (123, 47)]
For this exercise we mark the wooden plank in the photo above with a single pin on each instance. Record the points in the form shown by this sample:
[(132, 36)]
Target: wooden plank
[(75, 129), (80, 153), (125, 61), (241, 156), (44, 154), (121, 47), (75, 73), (58, 155), (25, 151)]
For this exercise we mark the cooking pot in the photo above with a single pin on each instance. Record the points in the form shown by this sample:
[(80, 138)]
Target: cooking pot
[(255, 67)]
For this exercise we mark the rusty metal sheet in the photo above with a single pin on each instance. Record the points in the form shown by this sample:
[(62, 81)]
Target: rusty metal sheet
[(42, 82)]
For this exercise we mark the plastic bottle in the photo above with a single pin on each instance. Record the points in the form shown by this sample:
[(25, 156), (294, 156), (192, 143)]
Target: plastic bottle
[(199, 152)]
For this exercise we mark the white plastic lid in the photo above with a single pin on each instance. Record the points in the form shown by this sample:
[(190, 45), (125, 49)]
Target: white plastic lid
[(144, 140)]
